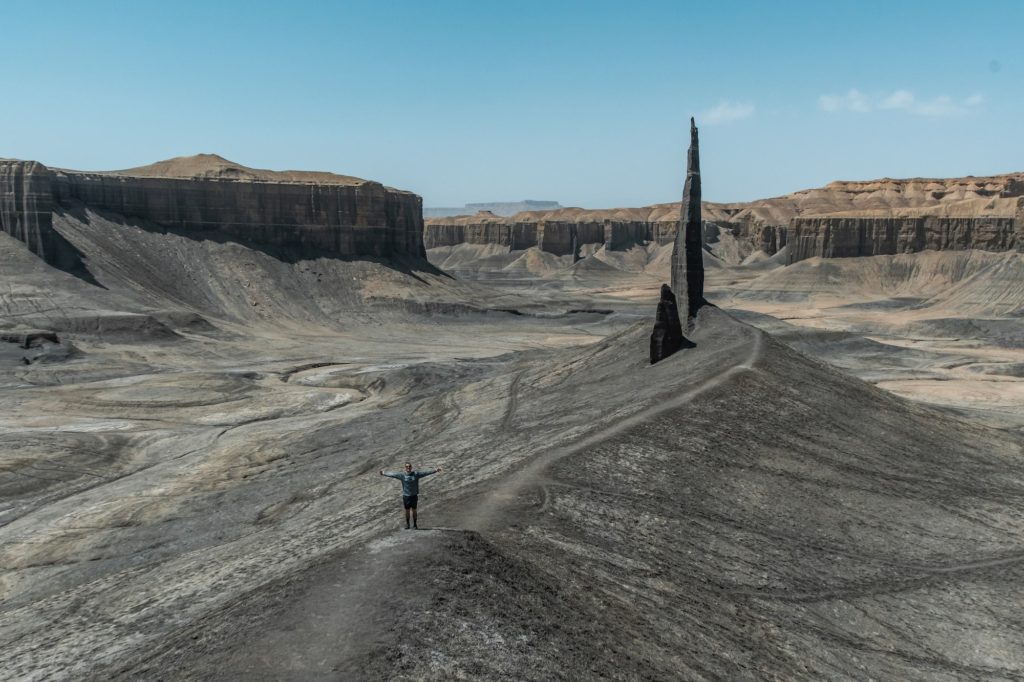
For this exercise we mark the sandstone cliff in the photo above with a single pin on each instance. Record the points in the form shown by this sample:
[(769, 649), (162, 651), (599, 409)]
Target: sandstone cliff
[(333, 215), (835, 237), (841, 219), (558, 232), (26, 209)]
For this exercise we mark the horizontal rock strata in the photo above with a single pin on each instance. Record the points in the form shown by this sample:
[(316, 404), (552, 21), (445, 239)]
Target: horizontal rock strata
[(333, 215), (26, 204), (26, 212), (841, 219), (560, 237), (830, 237)]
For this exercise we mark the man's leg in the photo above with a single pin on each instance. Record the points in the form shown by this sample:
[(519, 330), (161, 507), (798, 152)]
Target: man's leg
[(406, 504), (414, 517), (414, 500)]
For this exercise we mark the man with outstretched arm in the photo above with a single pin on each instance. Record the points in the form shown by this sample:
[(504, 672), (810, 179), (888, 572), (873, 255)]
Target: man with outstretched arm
[(410, 488)]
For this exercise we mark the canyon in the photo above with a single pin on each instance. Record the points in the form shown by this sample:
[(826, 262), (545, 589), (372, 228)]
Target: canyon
[(842, 219), (204, 366)]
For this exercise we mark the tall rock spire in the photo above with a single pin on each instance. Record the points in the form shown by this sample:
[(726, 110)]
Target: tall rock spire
[(687, 253)]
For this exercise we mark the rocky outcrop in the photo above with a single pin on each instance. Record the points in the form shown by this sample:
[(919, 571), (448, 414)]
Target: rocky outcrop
[(1019, 222), (560, 237), (959, 213), (206, 195), (839, 237), (29, 338), (687, 251), (488, 229), (687, 265), (667, 337), (26, 203), (26, 212)]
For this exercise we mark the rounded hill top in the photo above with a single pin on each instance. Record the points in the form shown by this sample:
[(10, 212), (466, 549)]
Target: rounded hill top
[(215, 167)]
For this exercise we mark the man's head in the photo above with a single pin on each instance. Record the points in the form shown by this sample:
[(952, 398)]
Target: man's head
[(408, 466)]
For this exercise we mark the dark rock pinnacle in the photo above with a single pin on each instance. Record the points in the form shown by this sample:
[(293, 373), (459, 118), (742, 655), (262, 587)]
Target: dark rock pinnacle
[(667, 336), (687, 253)]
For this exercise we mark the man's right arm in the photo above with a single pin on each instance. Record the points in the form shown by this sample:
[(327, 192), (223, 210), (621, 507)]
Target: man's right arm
[(390, 474)]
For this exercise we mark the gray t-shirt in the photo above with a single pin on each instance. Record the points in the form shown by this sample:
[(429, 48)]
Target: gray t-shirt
[(410, 481)]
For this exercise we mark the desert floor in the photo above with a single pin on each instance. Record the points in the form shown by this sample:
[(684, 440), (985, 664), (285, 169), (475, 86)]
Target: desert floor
[(828, 486)]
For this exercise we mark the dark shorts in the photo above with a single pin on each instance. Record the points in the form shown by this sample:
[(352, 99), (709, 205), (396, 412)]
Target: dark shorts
[(409, 501)]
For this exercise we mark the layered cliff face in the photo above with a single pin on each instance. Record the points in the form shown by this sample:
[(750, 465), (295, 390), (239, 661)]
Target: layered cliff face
[(841, 219), (560, 237), (837, 237), (329, 214), (26, 210), (26, 204)]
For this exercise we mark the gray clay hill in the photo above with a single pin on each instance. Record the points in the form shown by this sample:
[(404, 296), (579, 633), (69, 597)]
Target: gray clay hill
[(203, 367)]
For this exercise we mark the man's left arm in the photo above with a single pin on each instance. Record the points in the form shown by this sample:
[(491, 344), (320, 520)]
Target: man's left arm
[(422, 474)]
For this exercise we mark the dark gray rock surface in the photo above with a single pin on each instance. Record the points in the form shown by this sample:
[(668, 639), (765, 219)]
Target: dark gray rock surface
[(667, 337), (845, 237), (687, 252), (26, 212), (310, 212)]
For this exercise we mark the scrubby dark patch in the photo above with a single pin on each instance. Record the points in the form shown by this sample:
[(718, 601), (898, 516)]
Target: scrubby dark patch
[(289, 373), (590, 311)]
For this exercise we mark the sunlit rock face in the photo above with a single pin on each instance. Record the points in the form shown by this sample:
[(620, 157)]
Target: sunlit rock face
[(839, 237), (841, 219)]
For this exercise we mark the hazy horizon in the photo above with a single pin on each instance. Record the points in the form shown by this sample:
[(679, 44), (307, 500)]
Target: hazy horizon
[(586, 104)]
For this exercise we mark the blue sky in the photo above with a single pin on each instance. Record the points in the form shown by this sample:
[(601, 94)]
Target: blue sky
[(586, 103)]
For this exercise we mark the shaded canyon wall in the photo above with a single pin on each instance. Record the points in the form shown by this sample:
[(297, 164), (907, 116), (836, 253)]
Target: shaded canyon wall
[(564, 237), (838, 237), (26, 211), (365, 219), (807, 237)]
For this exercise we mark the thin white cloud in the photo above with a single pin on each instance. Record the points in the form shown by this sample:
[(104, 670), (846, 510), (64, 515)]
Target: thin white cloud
[(900, 100), (942, 105), (726, 112), (854, 100)]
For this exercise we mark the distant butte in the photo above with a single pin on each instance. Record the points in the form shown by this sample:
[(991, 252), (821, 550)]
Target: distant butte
[(215, 167)]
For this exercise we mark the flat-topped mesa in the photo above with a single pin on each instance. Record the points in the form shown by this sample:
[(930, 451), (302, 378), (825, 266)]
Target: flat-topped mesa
[(687, 252), (322, 213)]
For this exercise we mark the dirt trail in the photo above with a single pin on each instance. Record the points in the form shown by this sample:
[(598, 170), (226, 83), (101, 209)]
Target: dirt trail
[(484, 515)]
